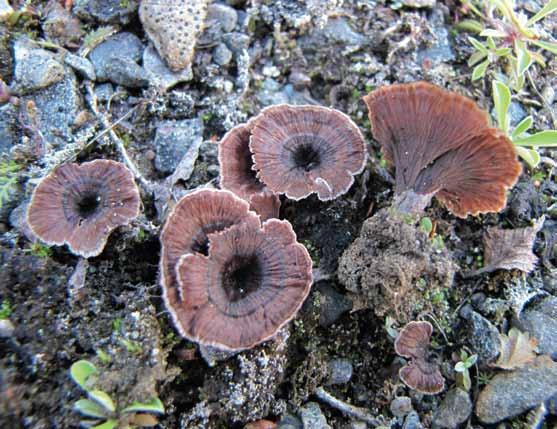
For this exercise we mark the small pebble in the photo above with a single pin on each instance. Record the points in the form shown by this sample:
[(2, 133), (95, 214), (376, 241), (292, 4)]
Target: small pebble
[(401, 406), (222, 55), (340, 371), (6, 328)]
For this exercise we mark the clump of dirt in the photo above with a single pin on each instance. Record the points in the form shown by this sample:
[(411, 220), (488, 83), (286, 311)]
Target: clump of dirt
[(394, 268)]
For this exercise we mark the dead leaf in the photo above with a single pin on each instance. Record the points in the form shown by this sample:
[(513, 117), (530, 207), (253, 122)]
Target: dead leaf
[(517, 349), (509, 249)]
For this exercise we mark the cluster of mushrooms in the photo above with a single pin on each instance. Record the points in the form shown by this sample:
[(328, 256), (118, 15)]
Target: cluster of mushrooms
[(232, 273)]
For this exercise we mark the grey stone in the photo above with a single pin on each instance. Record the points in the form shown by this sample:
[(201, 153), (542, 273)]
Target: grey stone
[(226, 16), (176, 140), (333, 305), (123, 71), (516, 113), (122, 49), (273, 92), (106, 11), (340, 371), (454, 410), (82, 65), (510, 394), (412, 421), (8, 127), (222, 55), (158, 72), (418, 3), (58, 106), (339, 30), (482, 336), (290, 422), (236, 42), (440, 50), (35, 68), (540, 320), (312, 417), (6, 328), (401, 406), (104, 91)]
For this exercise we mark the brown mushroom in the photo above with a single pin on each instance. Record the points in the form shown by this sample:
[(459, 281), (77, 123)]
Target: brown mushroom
[(79, 205), (441, 144), (252, 282), (300, 150), (194, 217), (421, 374), (238, 175)]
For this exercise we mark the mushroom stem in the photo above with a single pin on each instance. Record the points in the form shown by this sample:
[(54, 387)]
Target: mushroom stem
[(411, 202), (350, 410), (108, 128)]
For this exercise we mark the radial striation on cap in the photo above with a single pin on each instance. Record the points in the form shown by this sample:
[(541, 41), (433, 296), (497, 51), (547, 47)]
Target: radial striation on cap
[(441, 144), (252, 282), (300, 150), (79, 205)]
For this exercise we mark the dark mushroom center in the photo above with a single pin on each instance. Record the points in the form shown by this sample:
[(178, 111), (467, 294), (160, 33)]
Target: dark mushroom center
[(242, 276), (306, 157), (88, 204), (250, 174)]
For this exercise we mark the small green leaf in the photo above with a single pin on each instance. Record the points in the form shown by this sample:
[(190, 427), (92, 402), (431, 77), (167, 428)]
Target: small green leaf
[(459, 367), (524, 59), (550, 7), (493, 33), (503, 52), (491, 43), (475, 58), (479, 70), (90, 408), (426, 225), (81, 371), (530, 156), (103, 399), (470, 25), (109, 424), (542, 139), (471, 361), (502, 101), (155, 405), (548, 46), (522, 127), (477, 45)]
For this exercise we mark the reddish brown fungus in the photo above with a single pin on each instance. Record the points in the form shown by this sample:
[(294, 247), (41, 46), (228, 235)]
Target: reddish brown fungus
[(441, 144), (80, 205), (192, 219), (421, 374), (252, 282), (299, 150), (238, 175)]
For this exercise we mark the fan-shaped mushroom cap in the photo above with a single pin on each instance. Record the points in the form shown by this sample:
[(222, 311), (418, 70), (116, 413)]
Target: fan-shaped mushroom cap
[(420, 374), (440, 144), (186, 229), (298, 150), (79, 205), (252, 282)]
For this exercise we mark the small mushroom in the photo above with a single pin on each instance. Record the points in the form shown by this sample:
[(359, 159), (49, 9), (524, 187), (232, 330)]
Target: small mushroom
[(252, 282), (79, 205), (300, 150), (186, 229), (441, 144), (238, 175), (421, 374)]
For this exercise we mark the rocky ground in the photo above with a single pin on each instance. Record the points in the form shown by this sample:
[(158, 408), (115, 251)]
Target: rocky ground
[(75, 69)]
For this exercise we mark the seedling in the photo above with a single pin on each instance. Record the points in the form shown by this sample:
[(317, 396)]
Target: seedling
[(462, 370)]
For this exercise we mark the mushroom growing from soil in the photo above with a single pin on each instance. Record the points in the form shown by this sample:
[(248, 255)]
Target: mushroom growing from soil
[(300, 150), (441, 144), (238, 175), (252, 282), (79, 205), (421, 374)]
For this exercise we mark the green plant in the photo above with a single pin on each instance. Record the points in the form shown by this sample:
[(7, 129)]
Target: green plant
[(40, 250), (525, 143), (8, 179), (5, 309), (100, 409), (462, 370), (508, 35)]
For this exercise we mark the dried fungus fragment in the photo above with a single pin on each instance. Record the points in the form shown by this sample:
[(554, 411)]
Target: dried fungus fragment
[(421, 373), (79, 205), (517, 349), (441, 145), (252, 282), (300, 150), (510, 249), (173, 26)]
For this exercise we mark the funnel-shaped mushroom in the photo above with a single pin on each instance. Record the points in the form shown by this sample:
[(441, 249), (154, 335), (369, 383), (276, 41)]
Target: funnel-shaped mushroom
[(440, 144), (80, 205), (299, 150), (421, 373), (194, 217), (239, 176), (252, 282)]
